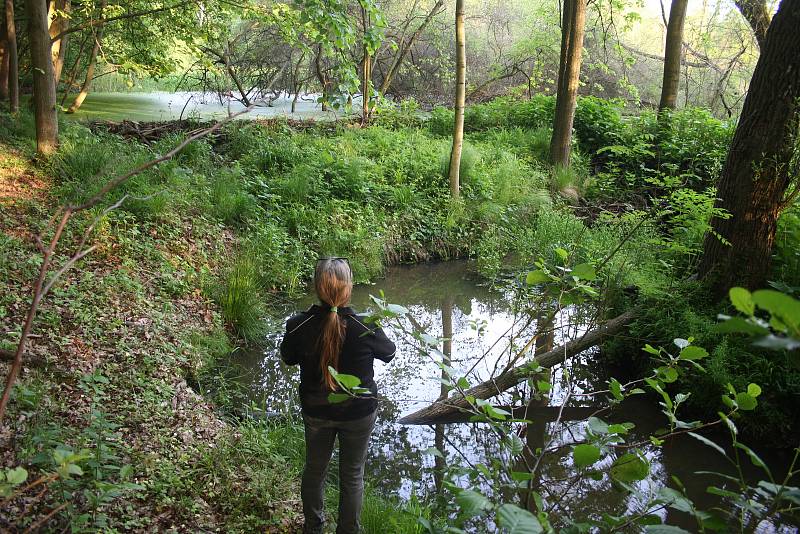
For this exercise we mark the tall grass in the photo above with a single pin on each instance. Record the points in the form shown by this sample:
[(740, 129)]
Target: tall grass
[(240, 299)]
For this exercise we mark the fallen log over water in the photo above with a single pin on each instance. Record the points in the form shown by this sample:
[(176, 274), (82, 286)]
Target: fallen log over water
[(539, 414), (485, 390)]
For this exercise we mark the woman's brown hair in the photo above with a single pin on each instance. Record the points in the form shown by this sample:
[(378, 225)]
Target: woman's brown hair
[(333, 281)]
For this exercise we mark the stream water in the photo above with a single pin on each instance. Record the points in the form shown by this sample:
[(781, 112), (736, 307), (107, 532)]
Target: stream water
[(444, 298)]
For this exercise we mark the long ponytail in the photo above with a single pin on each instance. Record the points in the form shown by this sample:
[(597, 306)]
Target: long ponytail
[(333, 281)]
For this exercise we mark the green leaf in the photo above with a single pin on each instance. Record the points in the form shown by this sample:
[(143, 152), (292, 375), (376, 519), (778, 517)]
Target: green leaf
[(739, 325), (615, 388), (336, 398), (562, 254), (692, 353), (16, 476), (708, 442), (347, 381), (665, 529), (746, 402), (515, 520), (585, 455), (754, 390), (629, 467), (584, 271), (742, 300), (472, 502), (433, 451), (597, 426), (537, 277)]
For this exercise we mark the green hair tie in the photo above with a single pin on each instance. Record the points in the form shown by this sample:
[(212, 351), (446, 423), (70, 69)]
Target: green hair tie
[(334, 309)]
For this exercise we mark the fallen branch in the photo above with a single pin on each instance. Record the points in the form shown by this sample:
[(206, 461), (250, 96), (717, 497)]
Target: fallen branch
[(508, 379)]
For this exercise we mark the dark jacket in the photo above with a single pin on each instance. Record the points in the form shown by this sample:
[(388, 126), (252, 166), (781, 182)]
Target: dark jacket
[(362, 344)]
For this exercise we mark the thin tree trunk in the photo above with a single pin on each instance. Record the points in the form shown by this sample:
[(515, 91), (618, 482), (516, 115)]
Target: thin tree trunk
[(59, 24), (13, 60), (756, 14), (569, 70), (3, 63), (759, 166), (73, 73), (44, 85), (461, 91), (406, 45), (672, 55), (90, 68), (322, 78)]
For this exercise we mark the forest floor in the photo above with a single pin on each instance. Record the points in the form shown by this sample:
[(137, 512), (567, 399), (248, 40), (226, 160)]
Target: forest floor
[(116, 348)]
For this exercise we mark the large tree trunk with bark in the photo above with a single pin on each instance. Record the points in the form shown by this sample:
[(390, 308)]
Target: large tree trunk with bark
[(510, 378), (569, 70), (761, 162), (672, 55), (405, 47), (13, 59), (44, 84), (756, 14), (461, 92)]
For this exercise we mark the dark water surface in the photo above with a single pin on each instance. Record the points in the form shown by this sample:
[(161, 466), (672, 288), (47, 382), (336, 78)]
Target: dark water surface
[(448, 297)]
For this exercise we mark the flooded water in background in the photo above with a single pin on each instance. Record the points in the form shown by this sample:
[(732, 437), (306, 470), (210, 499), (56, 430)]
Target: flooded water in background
[(164, 106), (447, 297)]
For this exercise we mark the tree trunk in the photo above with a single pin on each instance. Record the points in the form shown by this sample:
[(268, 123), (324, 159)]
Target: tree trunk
[(87, 81), (324, 82), (759, 165), (73, 72), (13, 59), (512, 377), (569, 70), (756, 14), (461, 91), (3, 63), (366, 88), (672, 55), (59, 24), (44, 85), (405, 47)]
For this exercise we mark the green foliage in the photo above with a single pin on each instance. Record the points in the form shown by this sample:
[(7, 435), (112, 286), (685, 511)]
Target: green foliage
[(239, 297)]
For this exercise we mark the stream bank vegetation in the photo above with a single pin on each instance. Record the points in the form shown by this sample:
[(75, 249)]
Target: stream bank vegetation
[(208, 238), (566, 191)]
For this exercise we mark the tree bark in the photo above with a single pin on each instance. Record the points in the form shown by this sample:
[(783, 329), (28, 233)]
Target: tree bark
[(405, 47), (759, 166), (756, 14), (515, 375), (569, 69), (90, 68), (672, 55), (44, 85), (322, 77), (461, 91), (3, 63), (13, 59), (59, 24)]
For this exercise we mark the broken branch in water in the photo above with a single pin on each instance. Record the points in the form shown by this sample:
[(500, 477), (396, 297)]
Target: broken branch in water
[(512, 377)]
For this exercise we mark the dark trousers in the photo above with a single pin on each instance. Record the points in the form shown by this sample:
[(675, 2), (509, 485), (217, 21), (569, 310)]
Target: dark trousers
[(353, 441)]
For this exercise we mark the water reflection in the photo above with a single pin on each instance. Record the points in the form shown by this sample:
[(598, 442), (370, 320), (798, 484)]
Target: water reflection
[(446, 301)]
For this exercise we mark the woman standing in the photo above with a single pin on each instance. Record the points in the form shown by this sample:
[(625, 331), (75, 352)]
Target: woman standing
[(331, 334)]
